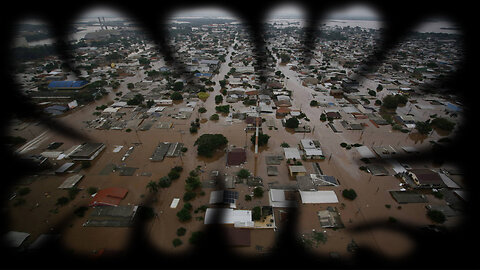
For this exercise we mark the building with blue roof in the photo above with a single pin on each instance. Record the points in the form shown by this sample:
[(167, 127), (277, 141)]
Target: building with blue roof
[(67, 85), (203, 75)]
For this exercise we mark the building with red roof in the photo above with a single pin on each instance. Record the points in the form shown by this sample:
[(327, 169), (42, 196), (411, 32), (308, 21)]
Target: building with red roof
[(109, 196)]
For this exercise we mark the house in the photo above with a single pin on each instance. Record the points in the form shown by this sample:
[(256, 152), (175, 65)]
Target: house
[(112, 216), (109, 196), (311, 149), (291, 153), (425, 178), (407, 120), (223, 197), (330, 218), (239, 218), (319, 196), (71, 181), (297, 170), (332, 114), (67, 85), (236, 156), (279, 198), (282, 111), (87, 151)]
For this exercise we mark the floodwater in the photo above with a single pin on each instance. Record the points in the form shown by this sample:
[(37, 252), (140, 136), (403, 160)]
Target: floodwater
[(370, 205)]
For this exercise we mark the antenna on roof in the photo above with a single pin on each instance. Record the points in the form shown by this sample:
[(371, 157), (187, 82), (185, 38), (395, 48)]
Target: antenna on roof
[(101, 25)]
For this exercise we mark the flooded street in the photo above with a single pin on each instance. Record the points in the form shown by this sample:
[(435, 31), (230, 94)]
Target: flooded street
[(39, 214)]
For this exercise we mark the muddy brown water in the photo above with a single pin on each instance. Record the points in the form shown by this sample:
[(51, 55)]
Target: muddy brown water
[(370, 204)]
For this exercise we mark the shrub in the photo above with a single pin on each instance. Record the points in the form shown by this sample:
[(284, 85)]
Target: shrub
[(192, 183), (202, 110), (436, 216), (248, 197), (319, 237), (256, 213), (258, 192), (243, 173), (187, 206), (176, 242), (223, 109), (284, 145), (423, 127), (323, 117), (177, 168), (173, 174), (62, 201), (214, 117), (349, 194), (196, 237), (189, 195), (184, 215), (164, 182), (262, 139), (181, 231), (443, 123), (203, 95)]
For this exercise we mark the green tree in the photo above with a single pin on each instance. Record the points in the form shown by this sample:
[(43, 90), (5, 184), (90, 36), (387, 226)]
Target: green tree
[(164, 182), (181, 231), (218, 99), (178, 86), (189, 195), (390, 102), (243, 173), (214, 117), (184, 215), (173, 174), (443, 123), (196, 237), (292, 123), (258, 192), (256, 213), (436, 216), (152, 186), (176, 242), (223, 109), (262, 139), (208, 143), (192, 183), (176, 96), (423, 127), (223, 83), (136, 100), (349, 194)]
